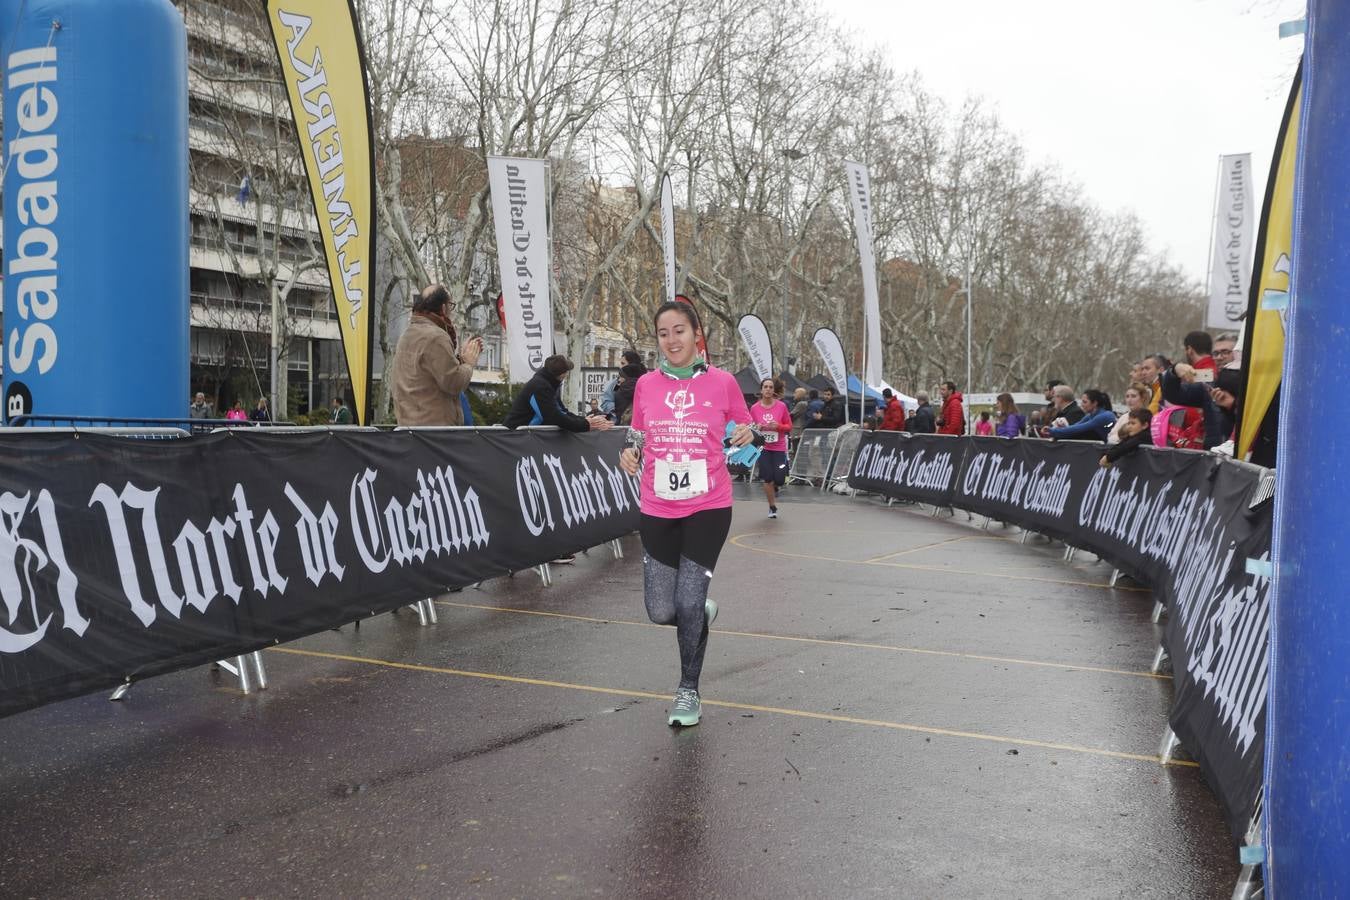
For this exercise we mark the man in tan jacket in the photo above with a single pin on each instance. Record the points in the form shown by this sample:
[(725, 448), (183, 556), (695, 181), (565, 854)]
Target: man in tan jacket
[(429, 374)]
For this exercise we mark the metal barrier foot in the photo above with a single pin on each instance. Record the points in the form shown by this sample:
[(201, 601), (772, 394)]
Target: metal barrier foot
[(1170, 743), (426, 612), (545, 573), (1158, 659), (1249, 884), (259, 669), (240, 668), (1158, 609), (617, 548), (1115, 576), (120, 691)]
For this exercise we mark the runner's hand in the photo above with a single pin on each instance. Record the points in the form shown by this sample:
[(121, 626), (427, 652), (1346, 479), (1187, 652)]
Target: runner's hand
[(742, 435), (629, 460)]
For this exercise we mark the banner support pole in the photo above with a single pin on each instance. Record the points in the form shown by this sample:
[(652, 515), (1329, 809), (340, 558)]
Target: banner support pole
[(1213, 221)]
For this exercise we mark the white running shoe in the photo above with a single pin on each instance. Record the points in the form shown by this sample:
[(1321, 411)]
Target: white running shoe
[(773, 512), (686, 709)]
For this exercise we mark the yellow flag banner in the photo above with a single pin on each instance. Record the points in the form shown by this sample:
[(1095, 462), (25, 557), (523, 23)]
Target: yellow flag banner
[(323, 66), (1263, 345)]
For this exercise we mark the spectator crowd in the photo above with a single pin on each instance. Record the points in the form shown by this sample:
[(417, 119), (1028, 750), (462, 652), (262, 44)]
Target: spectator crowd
[(1190, 402)]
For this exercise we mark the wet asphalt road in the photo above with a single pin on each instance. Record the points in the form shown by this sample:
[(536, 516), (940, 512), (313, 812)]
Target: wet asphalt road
[(895, 706)]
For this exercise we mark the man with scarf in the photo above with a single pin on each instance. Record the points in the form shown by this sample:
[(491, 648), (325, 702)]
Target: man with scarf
[(430, 371)]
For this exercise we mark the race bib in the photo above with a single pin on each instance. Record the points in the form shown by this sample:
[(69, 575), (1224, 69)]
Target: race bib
[(681, 480)]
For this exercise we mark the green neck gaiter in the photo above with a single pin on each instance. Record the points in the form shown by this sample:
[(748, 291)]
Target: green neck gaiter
[(683, 372)]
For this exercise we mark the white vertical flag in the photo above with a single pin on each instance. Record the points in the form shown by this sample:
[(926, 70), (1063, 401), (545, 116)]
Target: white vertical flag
[(860, 195), (1230, 273), (755, 336), (520, 213), (831, 351), (668, 232)]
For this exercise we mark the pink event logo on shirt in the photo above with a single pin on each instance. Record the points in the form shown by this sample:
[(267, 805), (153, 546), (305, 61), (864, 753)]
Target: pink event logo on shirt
[(680, 402)]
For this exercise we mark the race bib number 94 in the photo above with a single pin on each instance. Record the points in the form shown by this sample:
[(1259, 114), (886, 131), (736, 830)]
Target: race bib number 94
[(681, 480)]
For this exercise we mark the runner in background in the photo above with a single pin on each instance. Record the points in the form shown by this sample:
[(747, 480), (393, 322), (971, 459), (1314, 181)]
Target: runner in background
[(681, 417), (773, 420)]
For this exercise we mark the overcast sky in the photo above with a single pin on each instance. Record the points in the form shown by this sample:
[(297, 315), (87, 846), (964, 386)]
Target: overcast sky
[(1134, 100)]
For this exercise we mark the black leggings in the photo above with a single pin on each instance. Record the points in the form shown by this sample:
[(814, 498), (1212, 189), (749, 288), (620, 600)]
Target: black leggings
[(679, 556)]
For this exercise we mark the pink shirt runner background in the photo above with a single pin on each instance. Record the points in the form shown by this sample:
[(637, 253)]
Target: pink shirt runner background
[(686, 418), (776, 413)]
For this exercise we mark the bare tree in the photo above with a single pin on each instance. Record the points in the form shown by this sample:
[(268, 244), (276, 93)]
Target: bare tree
[(752, 110)]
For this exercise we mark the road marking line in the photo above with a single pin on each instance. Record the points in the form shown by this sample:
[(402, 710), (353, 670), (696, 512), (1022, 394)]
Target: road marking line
[(955, 540), (947, 571), (726, 704), (823, 641)]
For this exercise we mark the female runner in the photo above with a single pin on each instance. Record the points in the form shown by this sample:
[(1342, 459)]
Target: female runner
[(680, 415), (772, 419)]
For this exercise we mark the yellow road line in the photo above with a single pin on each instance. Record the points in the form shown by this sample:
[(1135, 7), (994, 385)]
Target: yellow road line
[(726, 704), (894, 565), (955, 540), (1069, 667)]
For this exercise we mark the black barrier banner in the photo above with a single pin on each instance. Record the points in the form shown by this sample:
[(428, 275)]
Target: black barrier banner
[(125, 557), (913, 467), (1176, 520)]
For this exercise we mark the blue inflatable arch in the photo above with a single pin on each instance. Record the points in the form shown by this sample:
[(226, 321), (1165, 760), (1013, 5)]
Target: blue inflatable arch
[(96, 311)]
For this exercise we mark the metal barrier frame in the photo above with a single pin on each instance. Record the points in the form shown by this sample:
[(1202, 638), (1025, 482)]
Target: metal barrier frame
[(850, 433), (816, 445), (99, 423)]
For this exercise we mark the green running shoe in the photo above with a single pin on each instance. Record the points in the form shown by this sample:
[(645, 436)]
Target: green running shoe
[(686, 708), (710, 610)]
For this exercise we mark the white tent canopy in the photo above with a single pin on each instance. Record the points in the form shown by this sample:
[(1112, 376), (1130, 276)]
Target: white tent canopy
[(906, 400)]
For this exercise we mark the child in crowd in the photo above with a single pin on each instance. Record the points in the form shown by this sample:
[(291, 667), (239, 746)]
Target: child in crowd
[(1134, 434), (984, 427)]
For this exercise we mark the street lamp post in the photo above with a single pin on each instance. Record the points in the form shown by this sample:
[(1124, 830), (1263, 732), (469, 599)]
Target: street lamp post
[(275, 355), (969, 328), (790, 155)]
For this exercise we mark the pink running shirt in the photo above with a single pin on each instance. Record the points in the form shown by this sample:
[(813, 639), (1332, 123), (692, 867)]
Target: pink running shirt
[(776, 413), (686, 418)]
